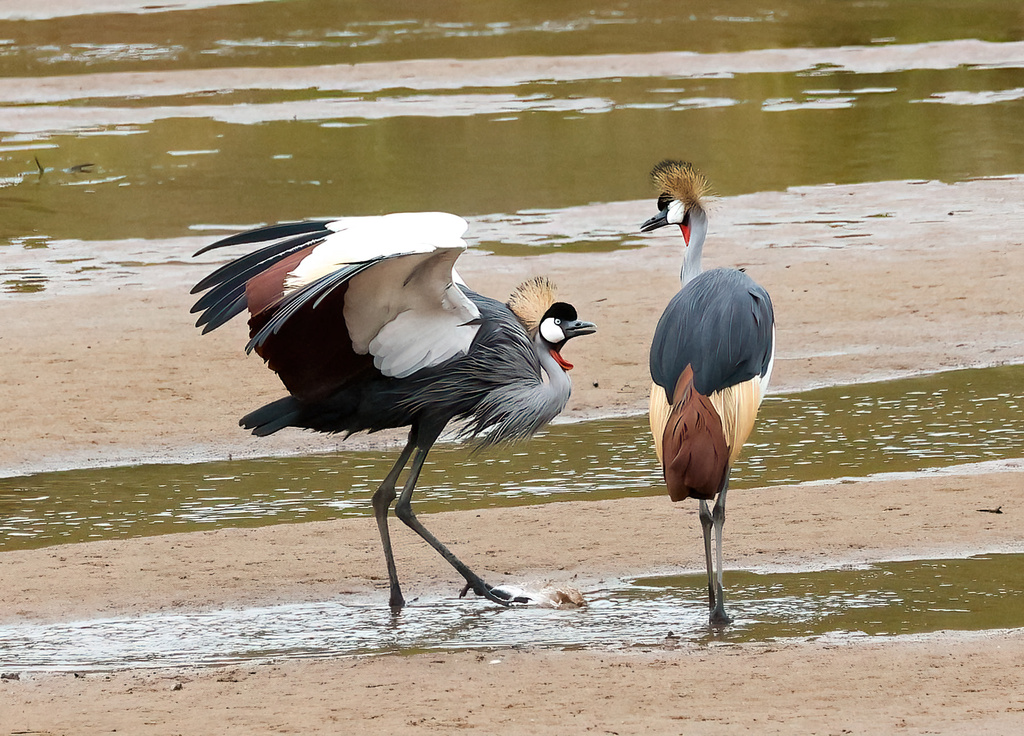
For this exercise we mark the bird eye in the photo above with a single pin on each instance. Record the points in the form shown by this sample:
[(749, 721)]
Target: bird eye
[(558, 321)]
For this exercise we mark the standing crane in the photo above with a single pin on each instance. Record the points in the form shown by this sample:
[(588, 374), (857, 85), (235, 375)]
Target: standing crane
[(711, 360), (369, 327)]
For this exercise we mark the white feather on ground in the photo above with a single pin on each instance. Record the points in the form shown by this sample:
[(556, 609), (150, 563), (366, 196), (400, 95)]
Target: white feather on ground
[(546, 596)]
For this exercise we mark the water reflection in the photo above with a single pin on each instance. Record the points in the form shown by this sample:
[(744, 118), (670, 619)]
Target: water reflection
[(503, 145), (848, 431), (41, 38), (884, 599)]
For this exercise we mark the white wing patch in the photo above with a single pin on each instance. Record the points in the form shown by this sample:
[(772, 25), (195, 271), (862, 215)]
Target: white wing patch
[(408, 314), (414, 340), (767, 377), (361, 239), (405, 309)]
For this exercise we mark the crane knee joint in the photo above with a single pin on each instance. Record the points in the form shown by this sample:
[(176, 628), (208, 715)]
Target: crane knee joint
[(404, 512)]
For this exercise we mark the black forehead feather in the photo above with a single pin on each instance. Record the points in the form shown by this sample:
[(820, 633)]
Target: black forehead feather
[(561, 310)]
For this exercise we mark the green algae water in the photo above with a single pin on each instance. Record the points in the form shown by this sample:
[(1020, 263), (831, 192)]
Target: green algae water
[(905, 425)]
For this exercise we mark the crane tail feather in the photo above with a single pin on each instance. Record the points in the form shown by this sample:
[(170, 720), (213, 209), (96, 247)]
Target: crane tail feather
[(695, 454), (272, 417)]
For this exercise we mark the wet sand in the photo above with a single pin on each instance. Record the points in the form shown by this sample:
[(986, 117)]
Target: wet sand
[(511, 72), (96, 378)]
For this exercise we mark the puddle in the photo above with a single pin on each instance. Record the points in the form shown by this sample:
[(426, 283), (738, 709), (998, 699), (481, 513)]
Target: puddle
[(882, 599), (892, 598), (848, 431)]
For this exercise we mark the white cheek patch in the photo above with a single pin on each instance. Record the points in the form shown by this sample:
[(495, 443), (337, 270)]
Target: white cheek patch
[(551, 331), (676, 212)]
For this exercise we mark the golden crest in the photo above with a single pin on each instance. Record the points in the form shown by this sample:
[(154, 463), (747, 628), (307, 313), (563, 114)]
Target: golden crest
[(530, 300), (680, 180)]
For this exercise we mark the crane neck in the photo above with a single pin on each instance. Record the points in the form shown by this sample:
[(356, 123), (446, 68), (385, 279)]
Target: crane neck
[(693, 251), (556, 375), (557, 384), (521, 408)]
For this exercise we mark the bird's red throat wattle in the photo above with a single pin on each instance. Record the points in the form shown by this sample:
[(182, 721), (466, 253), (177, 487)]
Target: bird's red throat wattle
[(564, 364)]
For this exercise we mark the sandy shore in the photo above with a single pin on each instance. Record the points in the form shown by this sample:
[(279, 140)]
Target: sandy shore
[(119, 376)]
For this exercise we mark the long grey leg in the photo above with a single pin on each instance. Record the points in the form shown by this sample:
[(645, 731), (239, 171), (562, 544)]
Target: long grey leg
[(382, 499), (706, 523), (718, 614), (403, 510)]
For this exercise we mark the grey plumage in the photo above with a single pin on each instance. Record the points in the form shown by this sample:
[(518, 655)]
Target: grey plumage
[(501, 378), (720, 323)]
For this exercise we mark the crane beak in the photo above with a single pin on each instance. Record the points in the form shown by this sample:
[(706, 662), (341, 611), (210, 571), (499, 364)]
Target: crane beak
[(659, 220), (577, 328), (570, 330)]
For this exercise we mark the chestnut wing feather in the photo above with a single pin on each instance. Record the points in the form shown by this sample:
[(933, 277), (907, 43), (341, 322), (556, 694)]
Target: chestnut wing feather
[(695, 457)]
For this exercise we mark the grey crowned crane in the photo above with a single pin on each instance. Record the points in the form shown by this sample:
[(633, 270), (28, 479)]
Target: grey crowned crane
[(369, 327), (711, 360)]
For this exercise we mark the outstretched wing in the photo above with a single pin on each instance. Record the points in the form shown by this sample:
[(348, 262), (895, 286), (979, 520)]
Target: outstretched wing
[(331, 299)]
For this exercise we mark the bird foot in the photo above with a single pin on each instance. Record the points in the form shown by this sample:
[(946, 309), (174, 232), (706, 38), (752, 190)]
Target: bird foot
[(503, 596), (719, 618)]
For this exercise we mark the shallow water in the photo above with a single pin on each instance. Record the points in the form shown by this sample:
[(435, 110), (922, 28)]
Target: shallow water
[(166, 170), (39, 37), (254, 115), (848, 431), (890, 598)]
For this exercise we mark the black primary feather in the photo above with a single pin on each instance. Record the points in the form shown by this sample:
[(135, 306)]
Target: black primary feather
[(270, 232), (245, 267), (226, 297)]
